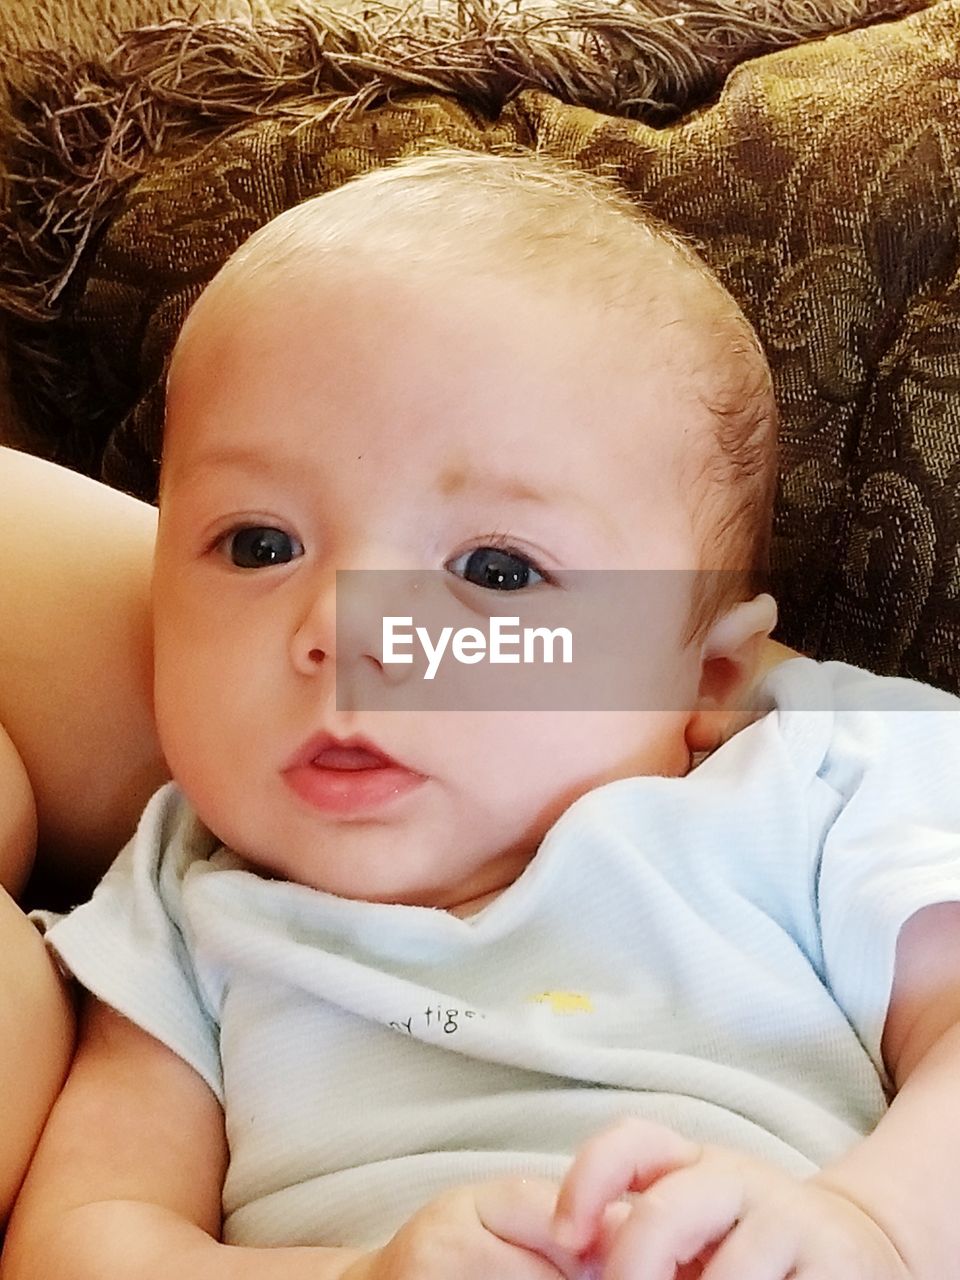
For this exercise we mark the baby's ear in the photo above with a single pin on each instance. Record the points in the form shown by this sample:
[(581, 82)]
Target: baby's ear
[(729, 660)]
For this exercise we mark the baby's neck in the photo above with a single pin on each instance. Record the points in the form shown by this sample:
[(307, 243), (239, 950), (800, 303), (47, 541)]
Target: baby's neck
[(470, 908)]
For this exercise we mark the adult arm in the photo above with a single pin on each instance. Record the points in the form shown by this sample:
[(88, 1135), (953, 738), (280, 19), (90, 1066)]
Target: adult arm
[(75, 658), (36, 1015), (36, 1041), (18, 818)]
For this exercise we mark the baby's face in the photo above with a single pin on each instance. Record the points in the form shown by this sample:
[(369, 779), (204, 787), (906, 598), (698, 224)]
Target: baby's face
[(373, 422)]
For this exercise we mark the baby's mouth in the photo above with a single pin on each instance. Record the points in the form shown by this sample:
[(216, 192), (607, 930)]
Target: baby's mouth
[(348, 778), (350, 758), (346, 755)]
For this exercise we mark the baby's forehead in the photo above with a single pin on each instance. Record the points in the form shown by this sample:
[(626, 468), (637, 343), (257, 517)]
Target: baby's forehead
[(673, 327), (668, 315), (666, 301)]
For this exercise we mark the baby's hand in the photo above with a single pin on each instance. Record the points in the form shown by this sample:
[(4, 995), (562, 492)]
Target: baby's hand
[(501, 1229), (710, 1213)]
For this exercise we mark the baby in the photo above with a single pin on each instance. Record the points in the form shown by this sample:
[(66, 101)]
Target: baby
[(387, 995)]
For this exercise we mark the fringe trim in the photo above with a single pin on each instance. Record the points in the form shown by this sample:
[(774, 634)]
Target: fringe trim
[(79, 131)]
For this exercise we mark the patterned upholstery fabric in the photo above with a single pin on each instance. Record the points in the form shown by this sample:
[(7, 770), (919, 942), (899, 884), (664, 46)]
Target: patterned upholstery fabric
[(821, 180)]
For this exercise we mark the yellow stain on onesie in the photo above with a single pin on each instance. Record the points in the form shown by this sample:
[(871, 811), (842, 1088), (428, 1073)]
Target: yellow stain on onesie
[(564, 1002)]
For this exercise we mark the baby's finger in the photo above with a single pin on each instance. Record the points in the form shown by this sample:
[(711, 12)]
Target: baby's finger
[(674, 1222), (629, 1156), (519, 1211), (763, 1246), (592, 1260)]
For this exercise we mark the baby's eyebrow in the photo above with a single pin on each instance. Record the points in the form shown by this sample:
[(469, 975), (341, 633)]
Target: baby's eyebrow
[(232, 455), (456, 480), (271, 463), (501, 487)]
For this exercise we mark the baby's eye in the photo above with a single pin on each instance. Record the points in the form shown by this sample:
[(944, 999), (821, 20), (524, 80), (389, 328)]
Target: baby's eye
[(497, 569), (256, 546)]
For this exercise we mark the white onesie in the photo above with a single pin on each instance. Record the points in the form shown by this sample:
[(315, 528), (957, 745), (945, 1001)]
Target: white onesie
[(714, 952)]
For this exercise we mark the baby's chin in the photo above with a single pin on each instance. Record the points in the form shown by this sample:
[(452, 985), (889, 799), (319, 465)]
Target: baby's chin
[(363, 865)]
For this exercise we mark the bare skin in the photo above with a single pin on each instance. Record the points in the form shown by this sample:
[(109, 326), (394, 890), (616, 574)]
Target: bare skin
[(75, 660)]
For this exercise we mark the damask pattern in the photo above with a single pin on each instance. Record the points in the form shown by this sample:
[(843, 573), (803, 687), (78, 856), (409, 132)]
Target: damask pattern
[(821, 182)]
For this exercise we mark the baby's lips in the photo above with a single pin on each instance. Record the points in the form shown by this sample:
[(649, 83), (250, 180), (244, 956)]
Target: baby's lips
[(350, 758), (331, 752)]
